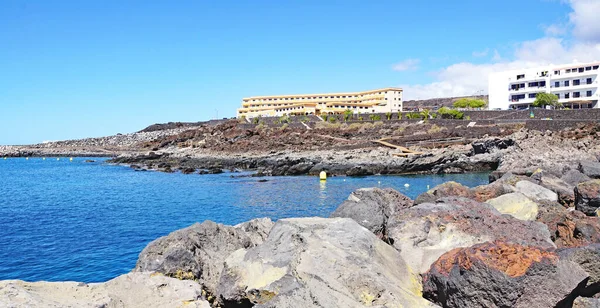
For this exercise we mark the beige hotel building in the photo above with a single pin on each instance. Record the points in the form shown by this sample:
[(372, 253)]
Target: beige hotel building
[(374, 101)]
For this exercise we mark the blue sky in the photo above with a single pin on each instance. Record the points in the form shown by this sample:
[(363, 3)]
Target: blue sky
[(74, 69)]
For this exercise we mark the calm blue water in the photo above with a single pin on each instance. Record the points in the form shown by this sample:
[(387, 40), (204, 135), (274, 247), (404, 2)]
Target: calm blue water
[(62, 220)]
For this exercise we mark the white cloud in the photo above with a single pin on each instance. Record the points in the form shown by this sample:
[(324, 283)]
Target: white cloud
[(479, 54), (555, 30), (406, 65), (468, 78), (584, 19)]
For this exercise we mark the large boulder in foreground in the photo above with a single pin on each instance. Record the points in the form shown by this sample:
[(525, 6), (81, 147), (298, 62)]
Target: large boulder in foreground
[(130, 290), (197, 252), (502, 275), (588, 258), (371, 208), (424, 232), (516, 205), (587, 197), (319, 262)]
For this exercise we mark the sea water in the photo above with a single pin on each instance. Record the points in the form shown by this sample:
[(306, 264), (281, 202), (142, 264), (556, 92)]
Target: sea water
[(88, 221)]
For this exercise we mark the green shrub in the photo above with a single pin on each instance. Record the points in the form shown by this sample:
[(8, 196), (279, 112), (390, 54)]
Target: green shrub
[(388, 115)]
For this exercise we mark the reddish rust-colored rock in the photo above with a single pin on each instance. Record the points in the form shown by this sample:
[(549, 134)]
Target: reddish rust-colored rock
[(511, 259), (500, 274), (569, 228)]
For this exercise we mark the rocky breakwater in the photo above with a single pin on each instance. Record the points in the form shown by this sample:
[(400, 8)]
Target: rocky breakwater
[(453, 246)]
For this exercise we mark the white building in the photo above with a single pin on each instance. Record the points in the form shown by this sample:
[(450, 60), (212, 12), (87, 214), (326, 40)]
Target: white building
[(576, 86)]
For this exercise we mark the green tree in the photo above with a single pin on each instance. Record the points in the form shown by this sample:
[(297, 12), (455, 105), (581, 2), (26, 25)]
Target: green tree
[(461, 103), (447, 113), (469, 103), (399, 115), (544, 99), (388, 116), (348, 114), (425, 114), (324, 117)]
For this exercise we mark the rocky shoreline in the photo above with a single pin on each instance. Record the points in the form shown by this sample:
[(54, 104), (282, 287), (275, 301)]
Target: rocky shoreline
[(519, 241)]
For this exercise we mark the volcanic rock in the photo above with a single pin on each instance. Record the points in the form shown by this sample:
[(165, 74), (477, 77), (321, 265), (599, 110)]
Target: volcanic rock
[(587, 197), (499, 274), (372, 207), (319, 262), (197, 252), (130, 290), (424, 232), (516, 205)]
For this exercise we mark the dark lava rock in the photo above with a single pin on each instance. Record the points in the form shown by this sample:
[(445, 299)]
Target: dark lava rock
[(188, 170), (215, 171), (502, 275), (591, 169), (588, 258), (490, 145), (359, 171), (587, 197), (197, 252), (371, 208)]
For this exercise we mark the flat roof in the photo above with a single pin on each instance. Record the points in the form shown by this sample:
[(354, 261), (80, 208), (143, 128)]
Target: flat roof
[(324, 94)]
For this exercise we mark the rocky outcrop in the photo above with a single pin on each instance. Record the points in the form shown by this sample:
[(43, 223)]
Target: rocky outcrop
[(424, 232), (516, 205), (490, 145), (502, 275), (563, 190), (319, 262), (197, 252), (130, 290), (587, 197), (372, 207)]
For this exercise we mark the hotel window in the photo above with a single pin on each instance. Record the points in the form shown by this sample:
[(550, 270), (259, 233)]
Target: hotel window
[(588, 93), (588, 68), (557, 95), (566, 83), (595, 67), (581, 69), (566, 95), (588, 81), (576, 82), (568, 70), (556, 72), (542, 84), (531, 95), (557, 84), (520, 76), (576, 94)]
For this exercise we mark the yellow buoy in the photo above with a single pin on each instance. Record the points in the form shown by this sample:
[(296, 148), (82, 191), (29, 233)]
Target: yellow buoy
[(323, 175), (71, 159)]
